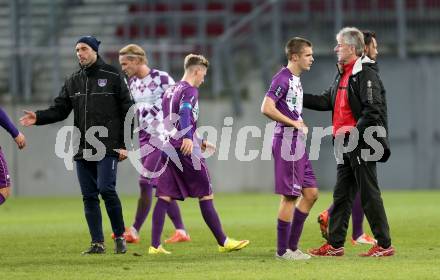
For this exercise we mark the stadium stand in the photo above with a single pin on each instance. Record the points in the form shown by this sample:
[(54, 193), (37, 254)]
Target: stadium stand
[(194, 24)]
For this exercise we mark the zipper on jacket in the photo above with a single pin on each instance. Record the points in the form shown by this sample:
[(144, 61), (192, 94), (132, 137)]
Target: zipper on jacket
[(85, 115)]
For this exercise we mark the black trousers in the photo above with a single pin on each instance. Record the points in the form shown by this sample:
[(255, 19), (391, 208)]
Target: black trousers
[(99, 178), (352, 176)]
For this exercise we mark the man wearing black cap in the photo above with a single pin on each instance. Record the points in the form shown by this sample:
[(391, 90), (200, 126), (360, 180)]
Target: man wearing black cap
[(98, 95)]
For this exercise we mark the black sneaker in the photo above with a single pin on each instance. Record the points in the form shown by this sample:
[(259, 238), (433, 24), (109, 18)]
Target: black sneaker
[(95, 248), (120, 245)]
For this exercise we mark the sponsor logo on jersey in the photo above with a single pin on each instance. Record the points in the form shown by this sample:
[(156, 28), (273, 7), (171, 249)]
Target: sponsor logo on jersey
[(278, 91)]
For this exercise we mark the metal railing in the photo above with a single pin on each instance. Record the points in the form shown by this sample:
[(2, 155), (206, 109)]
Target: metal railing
[(258, 35)]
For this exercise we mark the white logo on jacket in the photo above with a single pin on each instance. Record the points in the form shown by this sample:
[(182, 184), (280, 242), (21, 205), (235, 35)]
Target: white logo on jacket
[(102, 82)]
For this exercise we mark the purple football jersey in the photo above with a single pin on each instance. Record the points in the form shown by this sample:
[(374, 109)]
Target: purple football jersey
[(147, 92), (287, 93), (180, 95), (7, 124), (5, 180)]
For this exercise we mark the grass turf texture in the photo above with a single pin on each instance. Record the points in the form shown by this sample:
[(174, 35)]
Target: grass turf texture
[(41, 238)]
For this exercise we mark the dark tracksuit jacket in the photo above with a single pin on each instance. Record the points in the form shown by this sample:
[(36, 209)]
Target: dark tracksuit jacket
[(98, 96), (366, 96)]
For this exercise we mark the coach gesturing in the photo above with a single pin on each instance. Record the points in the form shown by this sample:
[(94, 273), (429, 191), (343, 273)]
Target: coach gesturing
[(99, 98)]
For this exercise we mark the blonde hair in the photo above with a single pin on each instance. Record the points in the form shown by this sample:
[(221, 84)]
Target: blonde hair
[(194, 60), (133, 51)]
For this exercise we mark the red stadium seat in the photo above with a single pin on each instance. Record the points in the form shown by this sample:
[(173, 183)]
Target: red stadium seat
[(161, 30), (317, 6), (346, 5), (386, 5), (242, 7), (364, 5), (146, 31), (119, 32), (146, 8), (293, 6), (214, 29), (161, 7), (215, 6), (188, 7), (133, 31), (411, 4), (188, 30), (432, 4), (139, 8), (134, 8)]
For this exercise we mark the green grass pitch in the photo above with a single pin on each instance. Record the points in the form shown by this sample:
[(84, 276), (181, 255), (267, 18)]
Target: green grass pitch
[(41, 238)]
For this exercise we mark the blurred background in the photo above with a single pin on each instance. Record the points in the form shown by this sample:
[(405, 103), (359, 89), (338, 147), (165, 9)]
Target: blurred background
[(244, 41)]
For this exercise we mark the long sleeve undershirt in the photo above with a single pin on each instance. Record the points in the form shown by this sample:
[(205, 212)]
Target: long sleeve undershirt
[(6, 123), (185, 119)]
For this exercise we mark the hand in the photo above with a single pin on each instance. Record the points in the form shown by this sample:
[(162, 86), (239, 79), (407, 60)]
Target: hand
[(298, 124), (208, 146), (187, 146), (20, 140), (301, 126), (29, 118), (304, 129), (122, 154)]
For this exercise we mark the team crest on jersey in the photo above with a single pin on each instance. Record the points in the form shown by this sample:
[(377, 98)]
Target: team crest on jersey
[(102, 82), (152, 86), (278, 91)]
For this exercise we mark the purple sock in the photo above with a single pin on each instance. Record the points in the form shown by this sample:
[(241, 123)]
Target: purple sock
[(283, 230), (144, 204), (159, 213), (297, 228), (212, 220), (330, 209), (357, 217), (2, 199), (174, 214)]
